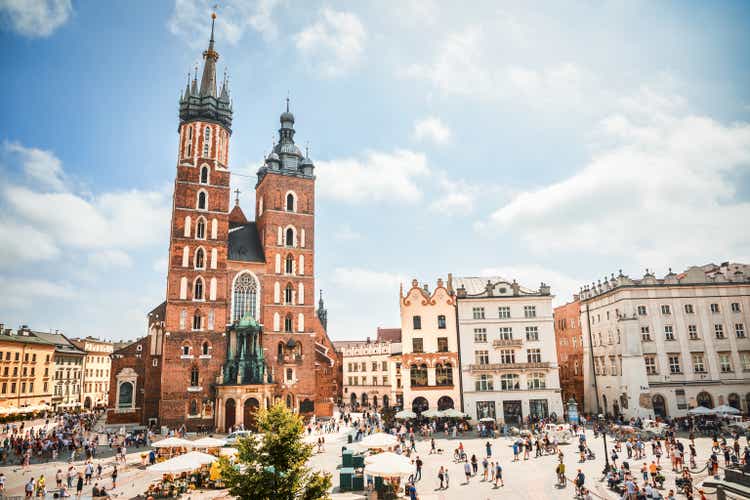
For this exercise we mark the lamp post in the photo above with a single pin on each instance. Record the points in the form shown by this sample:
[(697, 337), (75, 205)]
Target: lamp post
[(596, 391)]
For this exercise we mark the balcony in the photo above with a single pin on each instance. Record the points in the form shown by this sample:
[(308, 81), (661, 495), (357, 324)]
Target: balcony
[(514, 343), (495, 367)]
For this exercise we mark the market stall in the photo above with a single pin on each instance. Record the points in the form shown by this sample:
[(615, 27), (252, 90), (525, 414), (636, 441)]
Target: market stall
[(172, 446), (379, 441), (185, 473), (391, 467)]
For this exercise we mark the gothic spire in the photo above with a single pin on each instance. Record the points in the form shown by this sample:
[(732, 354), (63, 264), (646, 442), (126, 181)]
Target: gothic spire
[(210, 56)]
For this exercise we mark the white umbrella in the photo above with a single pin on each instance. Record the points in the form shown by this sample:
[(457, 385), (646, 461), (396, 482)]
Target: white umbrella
[(388, 465), (173, 442), (432, 413), (208, 442), (405, 415), (229, 452), (486, 419), (453, 413), (183, 463), (726, 409), (701, 410), (379, 440)]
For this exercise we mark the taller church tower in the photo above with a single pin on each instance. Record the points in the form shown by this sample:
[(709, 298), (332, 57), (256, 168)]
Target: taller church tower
[(196, 305)]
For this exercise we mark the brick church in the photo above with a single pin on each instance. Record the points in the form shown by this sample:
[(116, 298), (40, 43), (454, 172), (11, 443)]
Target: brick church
[(239, 329)]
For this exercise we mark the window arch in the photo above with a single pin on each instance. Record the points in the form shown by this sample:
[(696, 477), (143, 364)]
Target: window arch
[(194, 376), (200, 229), (291, 202), (193, 407), (289, 294), (185, 256), (288, 323), (276, 321), (183, 288), (280, 351), (444, 374), (186, 232), (183, 319), (300, 322), (197, 320), (204, 174), (289, 237), (205, 349), (198, 289), (200, 259), (202, 200), (244, 296), (289, 264), (509, 382), (206, 140), (125, 395), (189, 142), (418, 375), (536, 381), (185, 350)]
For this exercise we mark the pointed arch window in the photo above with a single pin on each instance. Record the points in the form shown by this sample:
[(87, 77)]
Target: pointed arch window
[(245, 296), (288, 294), (204, 175), (197, 321), (198, 289), (288, 323), (280, 351), (290, 202), (200, 259), (206, 140), (289, 237), (202, 200), (204, 349), (289, 266), (200, 229), (194, 376), (193, 407)]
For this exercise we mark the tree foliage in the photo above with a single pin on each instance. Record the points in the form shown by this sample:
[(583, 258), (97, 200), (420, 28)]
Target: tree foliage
[(272, 462)]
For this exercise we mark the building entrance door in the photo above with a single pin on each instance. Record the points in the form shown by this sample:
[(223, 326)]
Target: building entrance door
[(230, 415), (512, 413)]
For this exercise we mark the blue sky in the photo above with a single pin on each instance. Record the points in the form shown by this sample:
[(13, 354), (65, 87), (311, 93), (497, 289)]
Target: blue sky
[(553, 142)]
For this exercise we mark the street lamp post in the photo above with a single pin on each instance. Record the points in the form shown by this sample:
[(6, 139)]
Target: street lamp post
[(596, 391)]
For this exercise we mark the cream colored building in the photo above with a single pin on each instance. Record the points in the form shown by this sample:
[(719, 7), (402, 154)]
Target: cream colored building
[(368, 369), (429, 345), (508, 356), (664, 345), (96, 367), (26, 363)]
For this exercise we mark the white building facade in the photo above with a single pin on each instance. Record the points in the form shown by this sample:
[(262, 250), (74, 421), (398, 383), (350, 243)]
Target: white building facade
[(368, 371), (660, 346), (509, 364), (96, 366)]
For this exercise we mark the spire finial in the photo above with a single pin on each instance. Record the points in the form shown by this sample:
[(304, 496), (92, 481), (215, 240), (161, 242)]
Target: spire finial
[(307, 149), (213, 21), (287, 101), (237, 197)]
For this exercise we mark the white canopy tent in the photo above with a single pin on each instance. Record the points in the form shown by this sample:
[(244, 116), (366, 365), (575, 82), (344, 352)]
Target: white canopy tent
[(405, 415), (726, 410), (173, 442), (388, 465), (379, 440), (701, 410), (183, 463), (432, 413), (208, 442)]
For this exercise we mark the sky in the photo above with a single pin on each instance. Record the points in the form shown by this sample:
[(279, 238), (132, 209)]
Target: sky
[(538, 141)]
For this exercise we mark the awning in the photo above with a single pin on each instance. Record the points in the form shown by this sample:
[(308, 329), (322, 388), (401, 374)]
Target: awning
[(183, 463)]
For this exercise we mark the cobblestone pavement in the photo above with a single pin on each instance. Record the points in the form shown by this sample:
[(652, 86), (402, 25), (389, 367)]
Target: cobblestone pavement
[(533, 478)]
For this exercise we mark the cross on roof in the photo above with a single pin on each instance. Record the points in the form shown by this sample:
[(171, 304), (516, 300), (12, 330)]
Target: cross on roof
[(237, 196)]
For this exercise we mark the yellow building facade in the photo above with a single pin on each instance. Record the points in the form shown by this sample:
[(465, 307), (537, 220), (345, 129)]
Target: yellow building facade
[(26, 369)]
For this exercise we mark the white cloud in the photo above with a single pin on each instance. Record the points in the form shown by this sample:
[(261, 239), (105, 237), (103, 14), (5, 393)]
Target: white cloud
[(108, 259), (23, 243), (562, 285), (332, 45), (658, 191), (346, 233), (378, 176), (360, 280), (432, 129), (233, 19), (40, 166), (121, 219), (455, 197), (20, 293), (36, 18)]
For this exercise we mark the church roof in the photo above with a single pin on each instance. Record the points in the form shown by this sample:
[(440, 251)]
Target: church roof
[(244, 244), (237, 217)]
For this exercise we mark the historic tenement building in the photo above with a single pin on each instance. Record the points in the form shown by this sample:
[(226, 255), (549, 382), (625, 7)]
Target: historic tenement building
[(660, 346), (508, 358), (368, 372), (239, 328), (96, 371), (429, 345), (570, 350), (26, 370)]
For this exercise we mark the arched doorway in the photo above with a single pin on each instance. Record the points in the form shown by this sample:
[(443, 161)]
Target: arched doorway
[(660, 406), (419, 405), (354, 399), (374, 401), (87, 403), (364, 399), (230, 414), (704, 399), (125, 395), (734, 401), (385, 401), (306, 406), (444, 403), (250, 413)]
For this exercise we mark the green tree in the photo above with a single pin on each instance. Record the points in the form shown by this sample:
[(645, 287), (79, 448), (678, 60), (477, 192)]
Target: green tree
[(273, 462)]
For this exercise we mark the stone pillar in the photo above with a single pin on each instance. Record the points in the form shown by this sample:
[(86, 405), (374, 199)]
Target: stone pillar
[(219, 415), (239, 410)]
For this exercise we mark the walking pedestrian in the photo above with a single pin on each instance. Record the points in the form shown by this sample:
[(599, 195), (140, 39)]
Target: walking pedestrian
[(419, 469), (79, 485), (114, 476), (499, 474), (467, 471), (441, 476)]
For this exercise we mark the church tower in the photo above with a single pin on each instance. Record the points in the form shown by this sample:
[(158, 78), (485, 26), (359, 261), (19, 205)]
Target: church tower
[(194, 346)]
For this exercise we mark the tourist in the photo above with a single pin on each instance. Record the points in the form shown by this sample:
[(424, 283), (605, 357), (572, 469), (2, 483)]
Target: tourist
[(29, 488), (432, 446), (485, 463), (447, 479), (71, 475), (418, 462), (474, 465), (499, 474), (467, 471), (114, 476), (579, 481), (441, 477), (59, 478), (488, 449), (79, 485), (412, 491)]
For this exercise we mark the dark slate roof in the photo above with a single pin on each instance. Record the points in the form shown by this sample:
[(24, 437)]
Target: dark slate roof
[(244, 244), (60, 341)]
